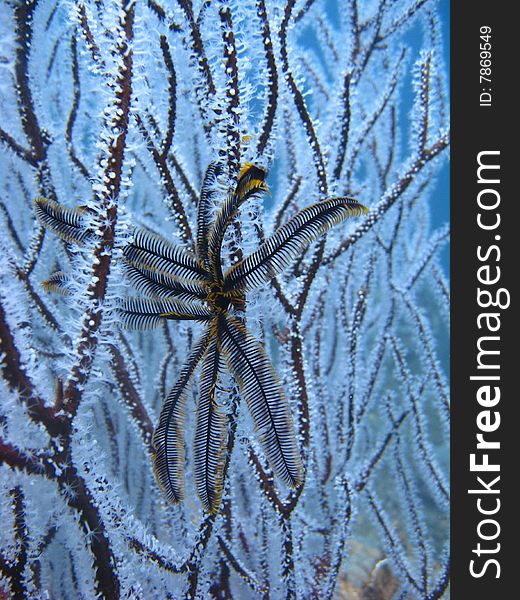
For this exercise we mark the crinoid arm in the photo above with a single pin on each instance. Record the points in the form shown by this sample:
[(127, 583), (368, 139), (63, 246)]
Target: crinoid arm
[(210, 432), (251, 181), (265, 398), (150, 252), (67, 223), (168, 443), (286, 244), (160, 284), (58, 282), (139, 313), (204, 211)]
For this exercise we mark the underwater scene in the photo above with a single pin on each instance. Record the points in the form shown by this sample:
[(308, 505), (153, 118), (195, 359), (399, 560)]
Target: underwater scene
[(224, 299)]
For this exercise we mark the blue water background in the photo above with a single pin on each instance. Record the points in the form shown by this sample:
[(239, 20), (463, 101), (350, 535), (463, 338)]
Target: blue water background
[(439, 198)]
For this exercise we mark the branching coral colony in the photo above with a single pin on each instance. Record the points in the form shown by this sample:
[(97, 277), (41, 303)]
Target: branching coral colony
[(183, 286), (111, 110)]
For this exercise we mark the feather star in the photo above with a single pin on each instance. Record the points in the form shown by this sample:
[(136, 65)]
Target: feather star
[(180, 285)]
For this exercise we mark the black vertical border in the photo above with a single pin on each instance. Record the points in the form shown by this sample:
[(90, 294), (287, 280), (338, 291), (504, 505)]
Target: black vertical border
[(476, 129)]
